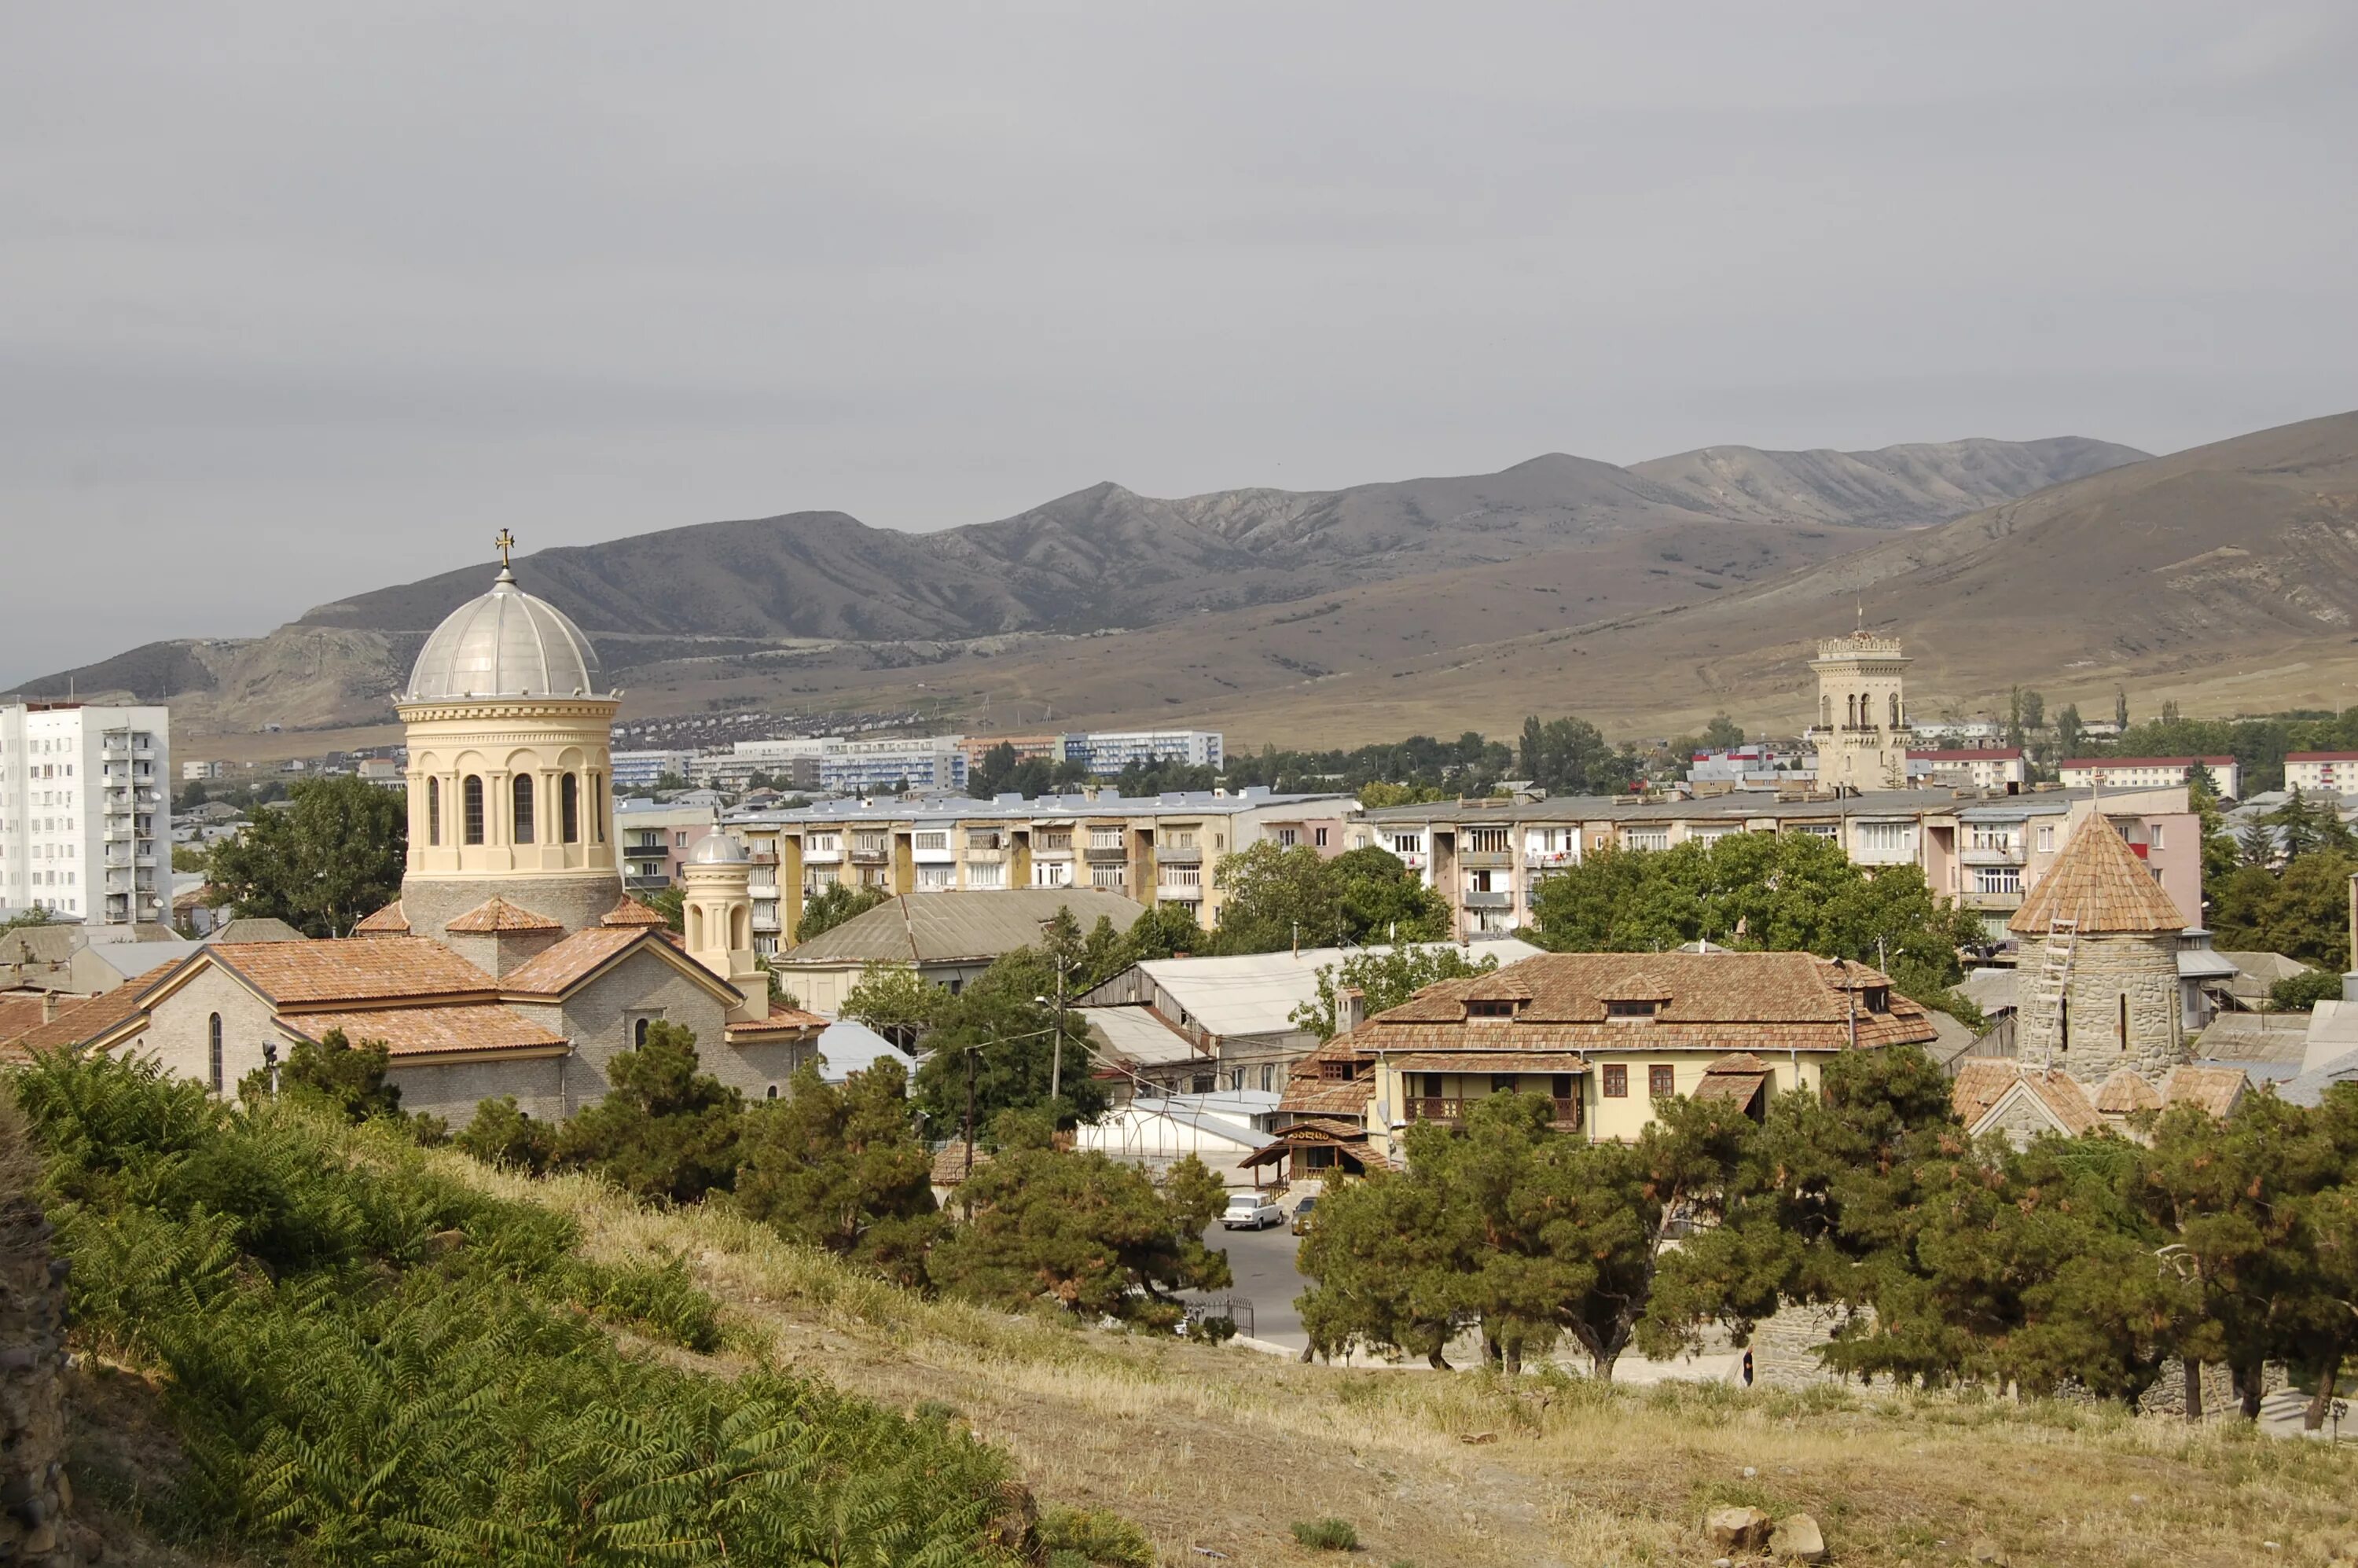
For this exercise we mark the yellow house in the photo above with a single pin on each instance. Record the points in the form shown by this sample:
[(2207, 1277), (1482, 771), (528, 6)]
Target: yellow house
[(1602, 1035)]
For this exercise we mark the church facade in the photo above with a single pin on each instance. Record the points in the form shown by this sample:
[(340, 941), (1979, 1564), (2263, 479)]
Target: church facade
[(512, 963)]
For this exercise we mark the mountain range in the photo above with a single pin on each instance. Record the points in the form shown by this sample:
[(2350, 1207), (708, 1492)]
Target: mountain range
[(818, 603)]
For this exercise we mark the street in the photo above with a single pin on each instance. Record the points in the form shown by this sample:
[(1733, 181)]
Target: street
[(1262, 1263)]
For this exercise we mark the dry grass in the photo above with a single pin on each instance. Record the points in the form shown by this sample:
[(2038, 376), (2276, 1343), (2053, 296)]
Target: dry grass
[(1224, 1448)]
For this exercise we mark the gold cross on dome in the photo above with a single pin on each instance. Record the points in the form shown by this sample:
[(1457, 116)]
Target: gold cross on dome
[(504, 544)]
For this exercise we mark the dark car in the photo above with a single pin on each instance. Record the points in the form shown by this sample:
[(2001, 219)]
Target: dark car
[(1302, 1215)]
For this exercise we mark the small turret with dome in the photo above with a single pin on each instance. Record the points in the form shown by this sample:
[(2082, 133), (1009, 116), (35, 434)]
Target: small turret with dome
[(510, 759), (717, 904)]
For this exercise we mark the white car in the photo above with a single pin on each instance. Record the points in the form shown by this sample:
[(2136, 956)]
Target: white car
[(1255, 1211)]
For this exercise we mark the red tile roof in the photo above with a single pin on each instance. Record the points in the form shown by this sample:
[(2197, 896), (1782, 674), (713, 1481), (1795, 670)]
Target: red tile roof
[(386, 921), (22, 1013), (2124, 1093), (1967, 754), (2145, 761), (2099, 881), (369, 968), (86, 1019), (2322, 756), (1982, 1082), (782, 1020), (498, 915), (573, 960), (631, 911), (428, 1031)]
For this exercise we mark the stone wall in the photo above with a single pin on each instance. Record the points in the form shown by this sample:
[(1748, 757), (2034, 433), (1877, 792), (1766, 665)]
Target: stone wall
[(34, 1491), (2105, 969)]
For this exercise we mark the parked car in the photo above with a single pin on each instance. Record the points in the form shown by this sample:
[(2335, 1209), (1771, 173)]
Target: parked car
[(1255, 1211), (1302, 1215)]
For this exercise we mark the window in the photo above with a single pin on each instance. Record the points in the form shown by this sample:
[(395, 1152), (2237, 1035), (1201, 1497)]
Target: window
[(2124, 1020), (1267, 1077), (1661, 1083), (1617, 1081), (2153, 835), (1485, 840), (1997, 878), (1502, 1083), (1432, 1086), (1318, 837), (773, 1093), (1560, 1086), (568, 808), (434, 811), (1645, 1006), (472, 791), (679, 840), (638, 1031), (522, 793), (213, 1051), (1498, 1008), (1287, 838), (1646, 838), (1887, 836), (2047, 838), (1408, 843), (933, 842)]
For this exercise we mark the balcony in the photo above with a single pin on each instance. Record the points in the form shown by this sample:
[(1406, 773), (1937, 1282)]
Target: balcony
[(1180, 892), (765, 917), (1486, 859), (1178, 855), (1497, 899), (828, 854), (871, 852), (1413, 859), (1564, 1112), (1115, 851), (1991, 855)]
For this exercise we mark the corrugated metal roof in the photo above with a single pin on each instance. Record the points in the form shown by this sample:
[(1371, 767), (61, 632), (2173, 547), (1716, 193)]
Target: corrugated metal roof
[(961, 923), (1141, 1037), (1256, 993)]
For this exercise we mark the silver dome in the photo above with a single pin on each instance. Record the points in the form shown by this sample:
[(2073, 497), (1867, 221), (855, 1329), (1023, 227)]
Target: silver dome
[(506, 644), (716, 849)]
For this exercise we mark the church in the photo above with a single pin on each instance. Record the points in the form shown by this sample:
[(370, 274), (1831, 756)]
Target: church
[(512, 963)]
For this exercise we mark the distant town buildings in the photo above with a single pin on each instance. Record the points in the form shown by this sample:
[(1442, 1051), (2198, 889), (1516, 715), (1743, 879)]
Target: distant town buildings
[(2149, 772), (2333, 773), (1989, 767), (85, 811)]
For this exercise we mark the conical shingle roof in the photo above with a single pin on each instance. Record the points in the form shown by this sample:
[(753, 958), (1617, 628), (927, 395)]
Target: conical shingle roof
[(2099, 881)]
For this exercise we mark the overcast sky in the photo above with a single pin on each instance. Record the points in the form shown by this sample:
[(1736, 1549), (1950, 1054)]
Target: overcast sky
[(298, 300)]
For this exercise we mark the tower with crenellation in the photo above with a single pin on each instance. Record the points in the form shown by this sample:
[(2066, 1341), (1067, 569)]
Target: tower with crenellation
[(1861, 733)]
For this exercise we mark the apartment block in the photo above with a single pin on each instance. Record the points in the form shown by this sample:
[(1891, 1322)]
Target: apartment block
[(85, 811), (866, 767), (1486, 858), (1153, 849), (2150, 772), (2333, 773), (656, 838), (1984, 767), (640, 770)]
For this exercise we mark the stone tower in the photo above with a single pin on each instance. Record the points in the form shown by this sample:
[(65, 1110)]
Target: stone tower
[(1861, 733), (2118, 1005), (719, 911), (510, 762)]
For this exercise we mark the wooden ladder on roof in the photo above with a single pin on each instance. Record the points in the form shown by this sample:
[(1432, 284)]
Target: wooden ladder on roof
[(2054, 980)]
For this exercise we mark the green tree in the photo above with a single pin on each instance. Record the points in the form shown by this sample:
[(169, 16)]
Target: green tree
[(671, 903), (2034, 710), (1384, 980), (897, 1001), (503, 1135), (345, 1078), (664, 1131), (1275, 898), (187, 858), (833, 905), (334, 856), (2301, 910), (843, 1169), (2070, 733), (1570, 756), (996, 1029), (1722, 733), (2121, 707), (1165, 931), (1096, 1238), (2303, 991), (1375, 795)]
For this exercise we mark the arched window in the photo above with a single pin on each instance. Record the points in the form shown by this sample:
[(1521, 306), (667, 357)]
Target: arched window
[(695, 927), (213, 1051), (434, 811), (521, 792), (472, 795), (739, 938), (1895, 710), (639, 1031), (568, 808), (598, 808), (773, 1093), (1826, 712)]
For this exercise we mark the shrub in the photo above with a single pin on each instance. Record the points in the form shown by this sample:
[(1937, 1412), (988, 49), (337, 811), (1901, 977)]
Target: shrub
[(1326, 1534), (664, 1131), (1096, 1537), (2302, 992), (504, 1135)]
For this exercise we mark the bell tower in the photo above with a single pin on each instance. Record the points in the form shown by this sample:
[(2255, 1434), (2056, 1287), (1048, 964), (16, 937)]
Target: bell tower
[(716, 881), (1861, 733)]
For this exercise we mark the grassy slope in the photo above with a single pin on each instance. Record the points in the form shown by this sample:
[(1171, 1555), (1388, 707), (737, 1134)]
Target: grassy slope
[(1225, 1448)]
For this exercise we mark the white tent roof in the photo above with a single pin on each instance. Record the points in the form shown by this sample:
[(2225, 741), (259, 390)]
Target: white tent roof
[(846, 1047), (1257, 994)]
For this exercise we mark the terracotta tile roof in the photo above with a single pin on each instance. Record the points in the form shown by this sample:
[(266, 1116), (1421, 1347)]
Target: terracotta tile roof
[(2216, 1089), (1715, 1002), (22, 1015), (84, 1019), (2100, 882), (428, 1031), (498, 915), (369, 968), (1490, 1062), (631, 911), (2124, 1093), (782, 1020), (1738, 1062), (949, 1165), (1735, 1087), (386, 921), (574, 959), (1345, 1098), (1982, 1083)]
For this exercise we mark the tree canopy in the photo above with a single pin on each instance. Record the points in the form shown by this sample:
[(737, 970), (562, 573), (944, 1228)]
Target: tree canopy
[(832, 905), (328, 860), (843, 1168), (663, 1131), (1274, 898)]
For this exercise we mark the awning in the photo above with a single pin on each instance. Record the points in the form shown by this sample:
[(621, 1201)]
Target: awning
[(1739, 1087)]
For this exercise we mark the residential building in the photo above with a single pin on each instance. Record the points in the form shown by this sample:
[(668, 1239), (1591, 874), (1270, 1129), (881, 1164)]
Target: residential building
[(85, 811), (657, 837), (2323, 772), (737, 770), (1486, 858), (1603, 1037), (2150, 772), (1862, 734), (1197, 1024), (1107, 752), (512, 963), (383, 771), (1153, 849), (1761, 765), (196, 770), (1989, 767), (640, 770), (949, 939), (1027, 748), (868, 767)]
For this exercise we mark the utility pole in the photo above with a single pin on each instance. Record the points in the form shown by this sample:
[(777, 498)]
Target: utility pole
[(1057, 1053), (969, 1115)]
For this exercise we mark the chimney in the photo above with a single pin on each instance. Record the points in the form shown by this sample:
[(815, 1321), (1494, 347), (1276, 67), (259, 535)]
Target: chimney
[(1350, 1010), (49, 1006)]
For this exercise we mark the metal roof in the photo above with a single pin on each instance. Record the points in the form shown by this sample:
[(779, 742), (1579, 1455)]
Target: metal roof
[(972, 925), (1737, 805), (1257, 994), (1140, 1036), (960, 809), (504, 644)]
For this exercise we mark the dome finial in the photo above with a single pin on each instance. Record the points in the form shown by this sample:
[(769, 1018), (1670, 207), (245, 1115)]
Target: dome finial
[(504, 544)]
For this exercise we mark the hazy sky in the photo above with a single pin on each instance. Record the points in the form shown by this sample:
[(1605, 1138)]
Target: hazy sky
[(296, 300)]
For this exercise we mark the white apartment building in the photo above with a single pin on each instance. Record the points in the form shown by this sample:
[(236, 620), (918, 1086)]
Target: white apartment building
[(2150, 772), (1107, 752), (864, 767), (1984, 767), (2332, 772), (86, 811), (639, 770)]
